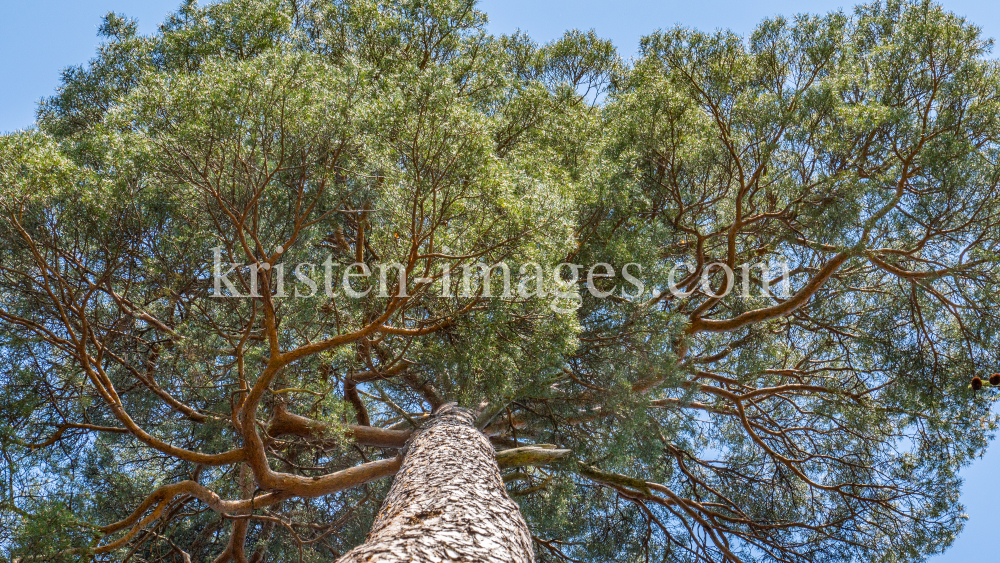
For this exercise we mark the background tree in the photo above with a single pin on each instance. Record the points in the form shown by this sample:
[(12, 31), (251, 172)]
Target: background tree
[(144, 419)]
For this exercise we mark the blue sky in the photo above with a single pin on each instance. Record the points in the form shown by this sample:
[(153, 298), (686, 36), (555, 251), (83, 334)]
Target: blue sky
[(40, 38)]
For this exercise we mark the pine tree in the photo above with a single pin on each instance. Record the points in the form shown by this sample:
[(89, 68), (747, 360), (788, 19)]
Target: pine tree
[(209, 355)]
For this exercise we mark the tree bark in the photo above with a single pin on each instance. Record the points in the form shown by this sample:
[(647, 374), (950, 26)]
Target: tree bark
[(447, 503)]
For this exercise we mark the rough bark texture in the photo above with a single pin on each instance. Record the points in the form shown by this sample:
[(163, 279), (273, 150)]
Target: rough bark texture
[(448, 502)]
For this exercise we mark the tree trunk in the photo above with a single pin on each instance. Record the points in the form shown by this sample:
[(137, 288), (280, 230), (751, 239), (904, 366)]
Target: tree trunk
[(447, 503)]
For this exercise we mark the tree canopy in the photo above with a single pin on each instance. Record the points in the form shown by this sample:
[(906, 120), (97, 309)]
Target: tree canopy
[(144, 417)]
